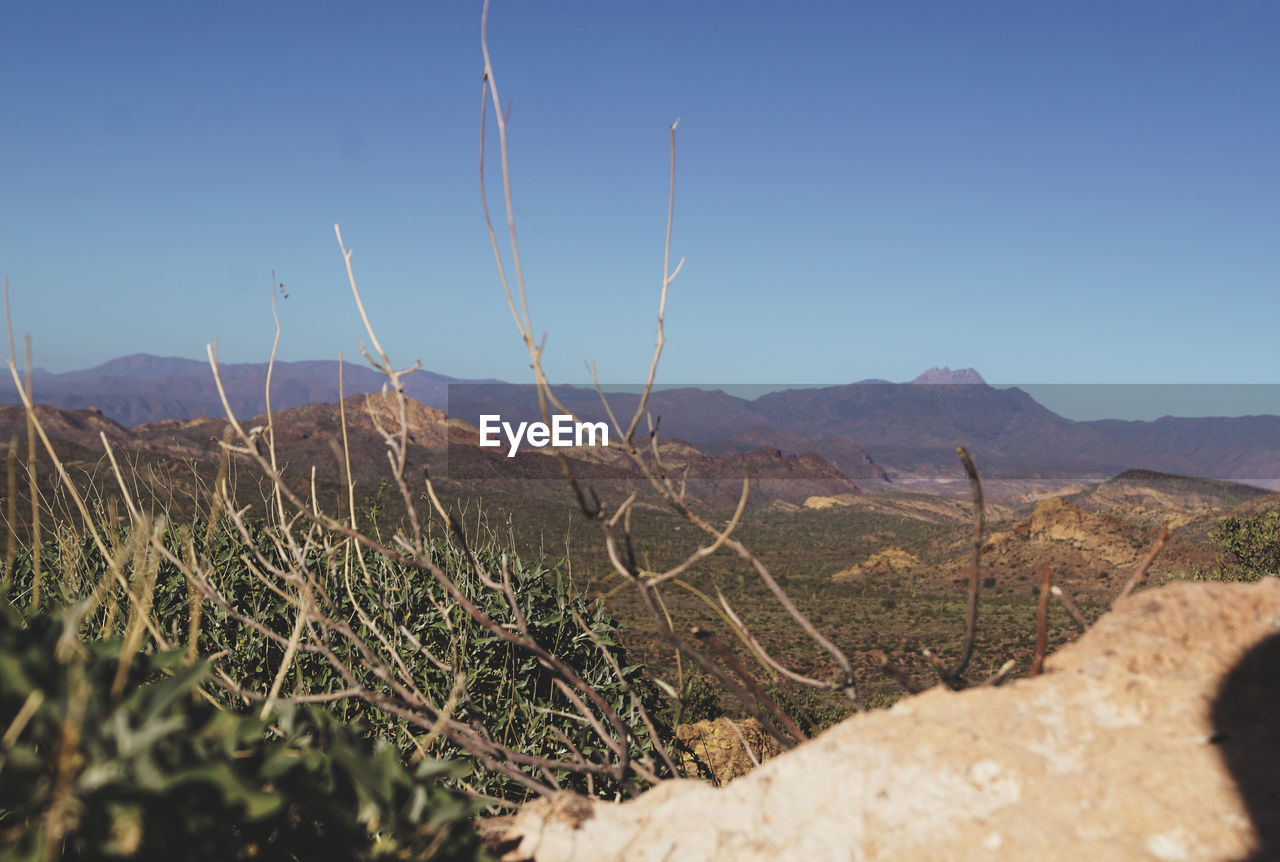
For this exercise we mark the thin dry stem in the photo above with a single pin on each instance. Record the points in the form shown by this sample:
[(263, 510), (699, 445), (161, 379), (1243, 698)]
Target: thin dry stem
[(1141, 570), (37, 546), (706, 551), (952, 674), (727, 656), (1064, 598), (1042, 620), (659, 479), (755, 761), (668, 276), (897, 673), (1001, 675)]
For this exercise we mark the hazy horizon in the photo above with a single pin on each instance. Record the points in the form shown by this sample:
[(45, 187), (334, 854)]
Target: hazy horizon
[(1076, 401)]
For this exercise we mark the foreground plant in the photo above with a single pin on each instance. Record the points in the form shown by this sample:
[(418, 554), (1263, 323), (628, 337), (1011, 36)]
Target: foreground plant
[(156, 771)]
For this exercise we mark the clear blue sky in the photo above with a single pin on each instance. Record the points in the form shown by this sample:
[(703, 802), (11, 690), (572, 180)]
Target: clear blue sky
[(1048, 192)]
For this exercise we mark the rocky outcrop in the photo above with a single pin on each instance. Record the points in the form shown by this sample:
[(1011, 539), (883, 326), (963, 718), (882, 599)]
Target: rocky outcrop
[(819, 502), (891, 561), (1156, 736), (723, 749), (1055, 521), (944, 375)]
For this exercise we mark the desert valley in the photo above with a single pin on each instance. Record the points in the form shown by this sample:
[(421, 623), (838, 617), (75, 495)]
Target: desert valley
[(857, 500)]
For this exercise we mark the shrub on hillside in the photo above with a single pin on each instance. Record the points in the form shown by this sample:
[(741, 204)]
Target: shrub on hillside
[(1250, 546)]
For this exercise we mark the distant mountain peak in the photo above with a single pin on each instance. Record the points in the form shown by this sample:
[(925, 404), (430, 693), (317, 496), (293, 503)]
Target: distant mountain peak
[(946, 375)]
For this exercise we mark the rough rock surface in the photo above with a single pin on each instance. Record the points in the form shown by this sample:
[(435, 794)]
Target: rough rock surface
[(1057, 521), (818, 502), (891, 561), (1156, 736), (724, 749)]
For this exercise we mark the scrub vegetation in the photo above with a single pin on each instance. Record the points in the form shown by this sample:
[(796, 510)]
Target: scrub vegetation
[(253, 673)]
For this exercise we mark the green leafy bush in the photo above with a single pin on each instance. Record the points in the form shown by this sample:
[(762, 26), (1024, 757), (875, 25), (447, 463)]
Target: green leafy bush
[(510, 693), (698, 699), (1250, 546), (813, 710), (158, 772)]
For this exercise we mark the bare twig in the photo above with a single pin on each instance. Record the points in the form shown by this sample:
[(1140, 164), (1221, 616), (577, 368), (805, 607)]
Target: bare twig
[(1042, 620), (999, 677), (707, 550), (1064, 598), (653, 470), (755, 761), (37, 546), (744, 634), (727, 656), (952, 674), (647, 596), (897, 673), (668, 276), (1141, 570)]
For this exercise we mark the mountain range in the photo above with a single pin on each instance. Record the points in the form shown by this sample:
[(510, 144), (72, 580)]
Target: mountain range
[(880, 435), (133, 390)]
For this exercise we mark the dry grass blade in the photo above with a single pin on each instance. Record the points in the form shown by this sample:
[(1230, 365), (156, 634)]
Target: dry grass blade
[(71, 625), (195, 600), (733, 725), (11, 515), (15, 728), (36, 544), (146, 565), (290, 650)]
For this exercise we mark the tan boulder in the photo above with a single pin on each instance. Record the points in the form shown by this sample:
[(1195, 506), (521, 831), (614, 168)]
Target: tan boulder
[(723, 749), (1156, 736)]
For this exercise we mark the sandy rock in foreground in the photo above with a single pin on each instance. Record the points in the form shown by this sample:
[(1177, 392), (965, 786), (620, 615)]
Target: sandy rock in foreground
[(1156, 736)]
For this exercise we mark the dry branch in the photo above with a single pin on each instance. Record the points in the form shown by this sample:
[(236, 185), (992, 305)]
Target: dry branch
[(727, 656), (1064, 598), (897, 673), (622, 554), (1042, 620), (951, 675), (1141, 570)]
